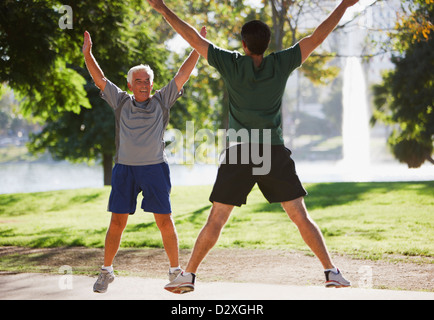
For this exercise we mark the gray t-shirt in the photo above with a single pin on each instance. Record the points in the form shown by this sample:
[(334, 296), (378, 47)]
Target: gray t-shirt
[(140, 126)]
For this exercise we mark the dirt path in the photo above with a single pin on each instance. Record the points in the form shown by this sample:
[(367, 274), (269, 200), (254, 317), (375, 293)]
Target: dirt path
[(232, 265)]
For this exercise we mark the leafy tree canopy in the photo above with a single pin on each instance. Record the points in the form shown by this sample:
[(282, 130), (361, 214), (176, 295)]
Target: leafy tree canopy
[(405, 99)]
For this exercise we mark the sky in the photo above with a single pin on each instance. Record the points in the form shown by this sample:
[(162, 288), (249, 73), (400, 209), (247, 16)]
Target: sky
[(362, 4), (358, 7)]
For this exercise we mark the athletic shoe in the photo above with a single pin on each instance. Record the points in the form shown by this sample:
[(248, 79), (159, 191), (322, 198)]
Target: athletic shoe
[(335, 280), (182, 284), (104, 279), (173, 275)]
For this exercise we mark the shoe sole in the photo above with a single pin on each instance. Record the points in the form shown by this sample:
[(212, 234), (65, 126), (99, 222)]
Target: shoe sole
[(181, 289), (99, 291), (335, 284)]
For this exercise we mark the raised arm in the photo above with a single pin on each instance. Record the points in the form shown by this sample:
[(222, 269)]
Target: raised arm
[(310, 43), (190, 34), (188, 66), (91, 64)]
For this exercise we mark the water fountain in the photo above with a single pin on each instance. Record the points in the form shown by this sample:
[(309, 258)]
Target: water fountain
[(355, 131)]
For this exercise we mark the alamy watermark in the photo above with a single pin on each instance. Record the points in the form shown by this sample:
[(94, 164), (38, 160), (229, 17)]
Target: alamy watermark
[(66, 280), (66, 20), (365, 277), (205, 146)]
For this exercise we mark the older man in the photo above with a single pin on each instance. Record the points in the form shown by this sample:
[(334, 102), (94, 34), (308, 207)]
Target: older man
[(140, 162)]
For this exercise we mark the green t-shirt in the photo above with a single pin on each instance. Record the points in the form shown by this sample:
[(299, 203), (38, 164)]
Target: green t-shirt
[(255, 94)]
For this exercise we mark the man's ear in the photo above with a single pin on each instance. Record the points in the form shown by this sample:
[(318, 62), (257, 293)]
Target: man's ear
[(130, 87), (246, 50)]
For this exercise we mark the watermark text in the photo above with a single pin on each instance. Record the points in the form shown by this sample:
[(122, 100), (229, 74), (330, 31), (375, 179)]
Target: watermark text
[(65, 21), (205, 147)]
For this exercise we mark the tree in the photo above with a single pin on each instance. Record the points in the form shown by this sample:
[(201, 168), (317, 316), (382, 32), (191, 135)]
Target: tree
[(120, 41), (405, 98), (29, 58)]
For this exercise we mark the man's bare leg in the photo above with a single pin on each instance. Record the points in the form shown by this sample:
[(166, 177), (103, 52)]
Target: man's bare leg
[(309, 231), (209, 235), (113, 237), (170, 237)]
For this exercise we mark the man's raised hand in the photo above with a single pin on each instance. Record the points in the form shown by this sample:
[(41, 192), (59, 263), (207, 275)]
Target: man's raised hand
[(203, 32), (91, 64), (87, 44)]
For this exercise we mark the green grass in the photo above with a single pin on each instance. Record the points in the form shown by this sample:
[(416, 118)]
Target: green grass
[(363, 219)]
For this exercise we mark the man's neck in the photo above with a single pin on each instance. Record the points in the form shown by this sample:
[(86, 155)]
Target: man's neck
[(140, 102), (257, 60)]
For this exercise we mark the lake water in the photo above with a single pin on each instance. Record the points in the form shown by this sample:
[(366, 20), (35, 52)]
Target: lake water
[(35, 177)]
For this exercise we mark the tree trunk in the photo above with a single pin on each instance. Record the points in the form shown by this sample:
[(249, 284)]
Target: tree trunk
[(107, 162)]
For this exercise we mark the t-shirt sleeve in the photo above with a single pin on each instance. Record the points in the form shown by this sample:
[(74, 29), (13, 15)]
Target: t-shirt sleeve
[(289, 59), (221, 59), (169, 94), (113, 95)]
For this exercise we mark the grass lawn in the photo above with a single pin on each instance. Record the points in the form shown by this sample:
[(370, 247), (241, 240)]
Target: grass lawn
[(363, 219)]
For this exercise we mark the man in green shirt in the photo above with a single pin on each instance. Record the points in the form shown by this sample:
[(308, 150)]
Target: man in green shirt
[(255, 85), (255, 91)]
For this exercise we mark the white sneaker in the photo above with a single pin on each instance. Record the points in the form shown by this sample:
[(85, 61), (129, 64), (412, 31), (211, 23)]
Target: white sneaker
[(182, 284), (336, 280), (104, 279)]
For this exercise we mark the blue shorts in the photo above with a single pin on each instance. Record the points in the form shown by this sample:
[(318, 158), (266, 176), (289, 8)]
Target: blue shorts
[(152, 180)]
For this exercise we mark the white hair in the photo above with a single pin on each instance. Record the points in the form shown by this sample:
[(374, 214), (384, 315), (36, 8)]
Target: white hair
[(140, 67)]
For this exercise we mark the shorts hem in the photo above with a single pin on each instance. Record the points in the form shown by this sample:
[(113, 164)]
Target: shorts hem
[(229, 203), (157, 211), (292, 198), (131, 212)]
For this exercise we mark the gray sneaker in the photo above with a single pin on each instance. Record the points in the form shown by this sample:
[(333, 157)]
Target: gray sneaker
[(182, 284), (336, 280), (104, 279), (173, 275)]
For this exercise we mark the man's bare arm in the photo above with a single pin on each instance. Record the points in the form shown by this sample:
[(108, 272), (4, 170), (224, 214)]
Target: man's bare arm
[(190, 34), (91, 64), (310, 43), (188, 66)]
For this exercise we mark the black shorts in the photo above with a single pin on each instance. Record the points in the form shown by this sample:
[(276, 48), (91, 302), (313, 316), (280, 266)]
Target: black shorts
[(236, 178)]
